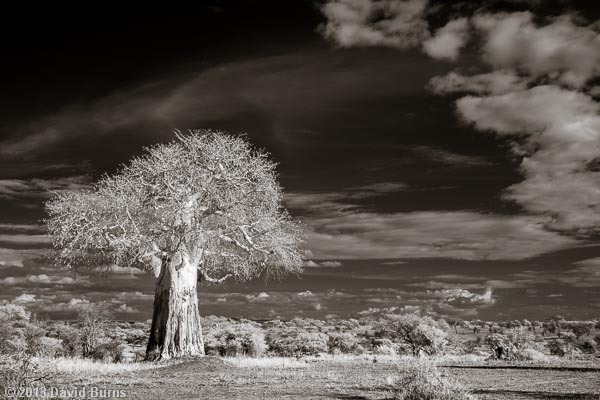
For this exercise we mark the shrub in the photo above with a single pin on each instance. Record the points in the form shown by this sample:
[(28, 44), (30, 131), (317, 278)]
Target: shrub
[(597, 339), (423, 381), (49, 347), (535, 355), (505, 347), (419, 334), (92, 322), (296, 342), (344, 343), (588, 346), (108, 351), (70, 339), (19, 371), (227, 339), (33, 334)]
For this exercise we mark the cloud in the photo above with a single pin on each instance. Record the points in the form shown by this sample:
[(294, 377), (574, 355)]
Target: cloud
[(74, 304), (22, 228), (463, 296), (330, 264), (556, 133), (496, 82), (136, 295), (449, 158), (448, 40), (116, 269), (310, 264), (41, 279), (124, 308), (214, 97), (391, 23), (467, 235), (262, 296), (12, 263), (559, 49), (42, 188), (25, 298)]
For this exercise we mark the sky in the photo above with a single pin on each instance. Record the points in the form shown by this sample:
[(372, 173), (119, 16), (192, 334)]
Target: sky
[(444, 157)]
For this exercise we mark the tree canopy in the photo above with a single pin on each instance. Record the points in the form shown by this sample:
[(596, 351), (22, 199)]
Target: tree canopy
[(207, 198)]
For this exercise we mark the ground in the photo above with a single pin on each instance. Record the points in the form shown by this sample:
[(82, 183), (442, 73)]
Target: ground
[(326, 378)]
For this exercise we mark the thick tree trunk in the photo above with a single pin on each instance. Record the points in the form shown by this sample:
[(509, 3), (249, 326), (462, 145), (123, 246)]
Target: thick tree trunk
[(176, 330)]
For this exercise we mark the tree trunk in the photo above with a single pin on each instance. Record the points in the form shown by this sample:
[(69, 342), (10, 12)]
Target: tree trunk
[(176, 330)]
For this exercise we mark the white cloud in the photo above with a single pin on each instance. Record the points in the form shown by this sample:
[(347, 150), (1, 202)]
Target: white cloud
[(12, 263), (448, 40), (463, 296), (42, 278), (310, 264), (71, 305), (392, 23), (330, 264), (561, 130), (124, 308), (559, 49), (25, 298), (262, 296)]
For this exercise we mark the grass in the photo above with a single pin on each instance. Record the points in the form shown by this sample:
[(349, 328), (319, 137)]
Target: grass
[(86, 366), (265, 362), (327, 376)]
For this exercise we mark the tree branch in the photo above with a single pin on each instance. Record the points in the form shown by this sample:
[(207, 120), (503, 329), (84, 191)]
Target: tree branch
[(213, 280)]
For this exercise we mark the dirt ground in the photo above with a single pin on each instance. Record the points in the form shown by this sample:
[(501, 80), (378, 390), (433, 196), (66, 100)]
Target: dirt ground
[(213, 378)]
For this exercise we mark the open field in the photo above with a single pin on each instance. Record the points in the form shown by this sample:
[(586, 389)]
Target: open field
[(331, 378)]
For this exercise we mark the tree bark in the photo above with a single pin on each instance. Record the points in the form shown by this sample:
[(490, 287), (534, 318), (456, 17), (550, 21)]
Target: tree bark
[(176, 330)]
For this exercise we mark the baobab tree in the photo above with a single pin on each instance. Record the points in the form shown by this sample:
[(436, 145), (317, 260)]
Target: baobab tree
[(206, 206)]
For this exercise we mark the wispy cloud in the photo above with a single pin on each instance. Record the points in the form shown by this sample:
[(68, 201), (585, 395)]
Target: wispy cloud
[(339, 230), (42, 188)]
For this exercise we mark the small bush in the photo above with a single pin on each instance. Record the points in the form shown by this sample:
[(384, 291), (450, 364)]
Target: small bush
[(19, 371), (49, 347), (92, 322), (535, 355), (423, 381), (108, 351), (296, 342), (418, 334), (506, 347), (344, 343), (235, 339), (70, 339)]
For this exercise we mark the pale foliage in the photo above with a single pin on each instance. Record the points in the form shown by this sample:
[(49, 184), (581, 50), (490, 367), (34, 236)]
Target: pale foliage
[(420, 334), (208, 199), (424, 381)]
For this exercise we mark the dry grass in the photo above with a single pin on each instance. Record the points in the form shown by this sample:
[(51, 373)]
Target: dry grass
[(80, 366), (265, 362)]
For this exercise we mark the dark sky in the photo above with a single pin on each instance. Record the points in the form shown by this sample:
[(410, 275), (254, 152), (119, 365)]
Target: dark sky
[(474, 196)]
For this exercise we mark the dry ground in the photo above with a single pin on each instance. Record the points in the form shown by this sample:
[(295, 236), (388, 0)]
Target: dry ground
[(343, 378)]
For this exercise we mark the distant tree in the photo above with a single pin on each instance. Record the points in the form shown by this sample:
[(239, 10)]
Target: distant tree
[(205, 206), (582, 328), (420, 334)]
